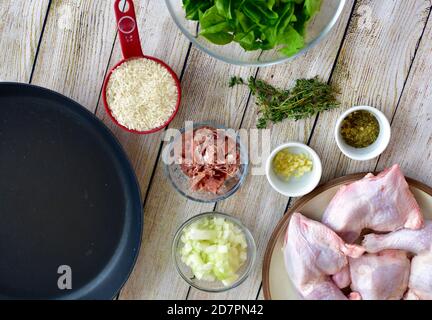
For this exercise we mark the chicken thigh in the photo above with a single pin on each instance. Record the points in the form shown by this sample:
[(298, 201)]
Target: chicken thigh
[(382, 276), (383, 203), (312, 254), (418, 242), (420, 282), (323, 290)]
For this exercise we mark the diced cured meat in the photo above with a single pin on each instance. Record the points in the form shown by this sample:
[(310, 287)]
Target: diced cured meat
[(209, 158)]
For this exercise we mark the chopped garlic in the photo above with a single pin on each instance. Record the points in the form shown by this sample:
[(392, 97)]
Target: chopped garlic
[(288, 165)]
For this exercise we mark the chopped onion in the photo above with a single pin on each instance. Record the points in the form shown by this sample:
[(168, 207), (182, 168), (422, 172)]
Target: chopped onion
[(215, 249)]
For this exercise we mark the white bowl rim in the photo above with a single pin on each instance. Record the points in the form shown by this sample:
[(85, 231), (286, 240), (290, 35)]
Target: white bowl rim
[(311, 44), (316, 163), (385, 130)]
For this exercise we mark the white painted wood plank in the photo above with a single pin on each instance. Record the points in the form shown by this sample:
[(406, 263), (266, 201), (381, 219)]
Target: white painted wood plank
[(372, 70), (160, 38), (21, 23), (411, 145), (206, 98), (257, 204), (76, 48)]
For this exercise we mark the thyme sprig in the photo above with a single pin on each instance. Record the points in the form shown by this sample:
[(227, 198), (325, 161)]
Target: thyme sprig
[(306, 99)]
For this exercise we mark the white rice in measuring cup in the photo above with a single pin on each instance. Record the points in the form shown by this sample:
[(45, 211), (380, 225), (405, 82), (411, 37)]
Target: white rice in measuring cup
[(142, 94)]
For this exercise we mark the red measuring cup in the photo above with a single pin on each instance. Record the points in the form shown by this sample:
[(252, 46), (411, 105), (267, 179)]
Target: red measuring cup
[(131, 49)]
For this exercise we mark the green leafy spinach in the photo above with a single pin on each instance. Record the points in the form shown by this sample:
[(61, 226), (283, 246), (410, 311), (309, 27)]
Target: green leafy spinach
[(254, 24)]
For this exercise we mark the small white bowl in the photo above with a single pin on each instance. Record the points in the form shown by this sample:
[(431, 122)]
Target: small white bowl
[(374, 150), (295, 187)]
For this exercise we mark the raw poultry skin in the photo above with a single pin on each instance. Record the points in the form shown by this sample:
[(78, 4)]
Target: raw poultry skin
[(420, 282), (383, 203), (418, 242), (382, 276), (313, 253), (343, 278), (415, 241)]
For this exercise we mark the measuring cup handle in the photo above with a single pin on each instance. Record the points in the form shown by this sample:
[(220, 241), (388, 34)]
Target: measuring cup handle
[(128, 30)]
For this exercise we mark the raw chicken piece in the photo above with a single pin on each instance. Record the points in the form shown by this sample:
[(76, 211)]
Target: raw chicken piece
[(343, 278), (382, 276), (327, 290), (323, 290), (313, 253), (382, 203), (415, 241), (418, 242), (355, 296), (420, 282)]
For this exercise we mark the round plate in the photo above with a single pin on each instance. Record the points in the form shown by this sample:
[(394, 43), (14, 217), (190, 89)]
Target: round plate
[(276, 283), (70, 207)]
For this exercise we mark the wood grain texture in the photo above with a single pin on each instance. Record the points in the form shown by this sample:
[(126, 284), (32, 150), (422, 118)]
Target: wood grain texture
[(76, 48), (21, 24), (257, 204), (207, 98), (261, 295), (411, 144), (162, 39), (372, 69)]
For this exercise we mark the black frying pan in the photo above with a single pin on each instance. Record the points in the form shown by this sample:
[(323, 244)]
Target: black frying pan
[(68, 197)]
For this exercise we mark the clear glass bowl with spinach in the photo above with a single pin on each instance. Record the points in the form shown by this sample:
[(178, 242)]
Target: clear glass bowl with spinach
[(255, 32)]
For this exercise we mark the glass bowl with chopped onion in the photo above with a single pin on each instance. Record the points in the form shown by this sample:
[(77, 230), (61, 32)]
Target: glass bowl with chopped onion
[(248, 33), (206, 162), (214, 252)]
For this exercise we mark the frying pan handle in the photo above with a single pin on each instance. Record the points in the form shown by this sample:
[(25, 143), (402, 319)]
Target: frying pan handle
[(128, 30)]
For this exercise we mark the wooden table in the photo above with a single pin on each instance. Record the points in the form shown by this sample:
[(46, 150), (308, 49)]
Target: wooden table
[(379, 54)]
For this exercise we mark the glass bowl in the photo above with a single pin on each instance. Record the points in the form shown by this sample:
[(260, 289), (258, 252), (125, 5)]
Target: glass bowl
[(232, 53), (216, 286), (181, 182)]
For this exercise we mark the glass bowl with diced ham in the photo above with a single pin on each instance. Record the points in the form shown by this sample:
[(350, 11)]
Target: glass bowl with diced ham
[(206, 162)]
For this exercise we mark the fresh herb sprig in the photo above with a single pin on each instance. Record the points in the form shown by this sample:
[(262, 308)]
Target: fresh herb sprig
[(306, 99)]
